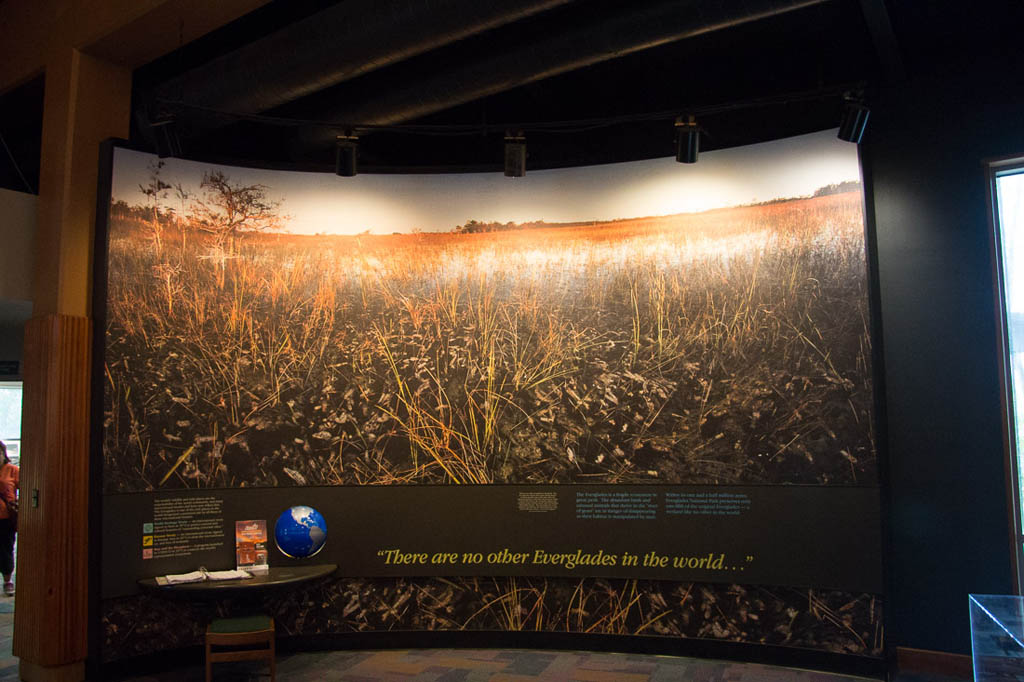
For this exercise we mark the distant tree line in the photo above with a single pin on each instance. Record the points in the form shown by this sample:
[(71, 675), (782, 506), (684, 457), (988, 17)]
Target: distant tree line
[(837, 188), (477, 226), (823, 191), (480, 226)]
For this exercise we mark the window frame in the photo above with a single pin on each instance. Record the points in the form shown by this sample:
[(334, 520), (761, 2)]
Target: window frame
[(994, 170)]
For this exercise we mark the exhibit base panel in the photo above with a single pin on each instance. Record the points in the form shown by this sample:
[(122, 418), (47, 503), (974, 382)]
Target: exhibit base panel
[(791, 657), (33, 672), (820, 629), (926, 662)]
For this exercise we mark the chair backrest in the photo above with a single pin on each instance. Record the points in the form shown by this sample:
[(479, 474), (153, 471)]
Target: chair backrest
[(240, 632)]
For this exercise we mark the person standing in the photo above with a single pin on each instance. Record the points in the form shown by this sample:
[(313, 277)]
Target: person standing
[(8, 518)]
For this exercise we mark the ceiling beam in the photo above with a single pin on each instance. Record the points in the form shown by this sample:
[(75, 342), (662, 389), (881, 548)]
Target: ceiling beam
[(337, 44), (876, 16), (128, 33), (585, 44)]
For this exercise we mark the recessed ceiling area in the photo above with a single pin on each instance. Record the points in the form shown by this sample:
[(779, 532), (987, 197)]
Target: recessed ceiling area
[(760, 69), (545, 61), (21, 135)]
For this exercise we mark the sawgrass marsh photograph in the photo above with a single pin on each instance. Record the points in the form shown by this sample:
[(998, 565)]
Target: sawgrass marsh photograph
[(248, 344)]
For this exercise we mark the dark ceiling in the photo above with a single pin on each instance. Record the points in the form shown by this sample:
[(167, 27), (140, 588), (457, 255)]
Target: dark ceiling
[(751, 70)]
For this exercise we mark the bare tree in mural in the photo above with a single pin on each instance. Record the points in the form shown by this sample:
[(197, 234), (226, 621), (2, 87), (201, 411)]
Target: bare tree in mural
[(228, 208), (184, 196), (155, 192)]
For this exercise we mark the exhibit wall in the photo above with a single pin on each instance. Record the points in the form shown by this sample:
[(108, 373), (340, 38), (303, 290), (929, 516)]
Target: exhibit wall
[(17, 227), (634, 399), (947, 497)]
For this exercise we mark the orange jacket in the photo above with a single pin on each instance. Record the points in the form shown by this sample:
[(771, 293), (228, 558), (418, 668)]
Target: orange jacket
[(8, 487)]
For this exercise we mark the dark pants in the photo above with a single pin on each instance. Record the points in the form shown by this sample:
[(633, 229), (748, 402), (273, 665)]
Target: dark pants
[(7, 532)]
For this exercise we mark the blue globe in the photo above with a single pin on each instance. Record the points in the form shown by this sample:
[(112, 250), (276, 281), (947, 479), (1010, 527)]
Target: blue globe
[(300, 532)]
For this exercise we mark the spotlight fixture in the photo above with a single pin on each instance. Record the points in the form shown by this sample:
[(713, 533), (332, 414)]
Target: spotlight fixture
[(687, 140), (855, 119), (165, 135), (515, 154), (345, 161)]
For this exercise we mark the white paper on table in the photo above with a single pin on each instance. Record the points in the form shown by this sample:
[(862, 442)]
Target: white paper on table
[(193, 577), (227, 575)]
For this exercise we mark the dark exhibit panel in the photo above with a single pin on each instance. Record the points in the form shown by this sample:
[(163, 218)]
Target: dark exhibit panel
[(947, 499), (631, 400), (754, 534)]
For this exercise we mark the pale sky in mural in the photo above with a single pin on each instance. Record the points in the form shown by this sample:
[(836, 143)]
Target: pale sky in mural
[(325, 203)]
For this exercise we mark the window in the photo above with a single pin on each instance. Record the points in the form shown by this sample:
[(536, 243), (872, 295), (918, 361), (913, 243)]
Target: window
[(1007, 193), (10, 418)]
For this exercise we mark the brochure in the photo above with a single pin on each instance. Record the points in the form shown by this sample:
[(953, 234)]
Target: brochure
[(251, 546)]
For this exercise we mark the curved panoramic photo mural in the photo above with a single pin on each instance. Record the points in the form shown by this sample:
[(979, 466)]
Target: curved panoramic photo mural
[(632, 399), (642, 322)]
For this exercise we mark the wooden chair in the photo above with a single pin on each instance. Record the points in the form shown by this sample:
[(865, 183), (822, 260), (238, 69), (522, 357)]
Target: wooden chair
[(247, 638)]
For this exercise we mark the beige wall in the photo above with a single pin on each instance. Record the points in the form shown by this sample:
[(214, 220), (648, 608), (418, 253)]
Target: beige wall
[(17, 246), (17, 258)]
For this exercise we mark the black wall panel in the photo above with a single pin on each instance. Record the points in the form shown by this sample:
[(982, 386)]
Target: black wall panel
[(924, 154)]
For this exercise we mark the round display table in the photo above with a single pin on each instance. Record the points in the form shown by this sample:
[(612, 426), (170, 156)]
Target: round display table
[(275, 577)]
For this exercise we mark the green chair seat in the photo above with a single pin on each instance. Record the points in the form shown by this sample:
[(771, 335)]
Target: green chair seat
[(225, 626)]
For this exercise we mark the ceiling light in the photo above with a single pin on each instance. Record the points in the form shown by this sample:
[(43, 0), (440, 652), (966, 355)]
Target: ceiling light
[(515, 154), (165, 135), (345, 161), (687, 140), (854, 121)]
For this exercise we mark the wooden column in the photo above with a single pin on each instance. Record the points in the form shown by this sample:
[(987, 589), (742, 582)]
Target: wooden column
[(87, 100), (52, 614)]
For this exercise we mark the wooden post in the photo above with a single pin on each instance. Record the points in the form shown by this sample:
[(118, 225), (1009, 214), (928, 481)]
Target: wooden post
[(51, 620), (87, 100), (87, 51)]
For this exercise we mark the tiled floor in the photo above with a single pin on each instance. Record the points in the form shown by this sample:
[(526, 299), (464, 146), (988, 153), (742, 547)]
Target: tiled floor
[(8, 663), (498, 665), (466, 665)]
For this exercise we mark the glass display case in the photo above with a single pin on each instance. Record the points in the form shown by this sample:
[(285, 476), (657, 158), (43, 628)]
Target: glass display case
[(997, 637)]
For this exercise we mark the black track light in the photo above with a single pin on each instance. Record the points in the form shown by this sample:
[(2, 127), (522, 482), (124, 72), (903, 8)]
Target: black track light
[(345, 161), (854, 121), (165, 134), (687, 140), (515, 154)]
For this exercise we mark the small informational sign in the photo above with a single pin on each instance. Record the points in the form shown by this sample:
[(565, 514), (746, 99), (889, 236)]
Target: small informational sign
[(251, 546), (184, 527)]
